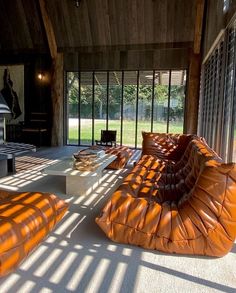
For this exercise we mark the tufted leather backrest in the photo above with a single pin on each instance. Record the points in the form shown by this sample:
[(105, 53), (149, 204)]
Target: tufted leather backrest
[(165, 145), (151, 178), (196, 145), (181, 177)]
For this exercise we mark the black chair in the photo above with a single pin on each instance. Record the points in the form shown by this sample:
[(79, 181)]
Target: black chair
[(108, 138), (37, 126)]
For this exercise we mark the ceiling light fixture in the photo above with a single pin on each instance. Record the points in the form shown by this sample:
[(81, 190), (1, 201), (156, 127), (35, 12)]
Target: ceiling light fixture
[(40, 76)]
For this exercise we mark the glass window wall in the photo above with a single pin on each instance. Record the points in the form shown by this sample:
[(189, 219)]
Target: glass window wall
[(126, 101)]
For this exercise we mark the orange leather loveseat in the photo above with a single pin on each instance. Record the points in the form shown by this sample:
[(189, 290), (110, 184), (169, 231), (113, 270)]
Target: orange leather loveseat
[(179, 198), (26, 218)]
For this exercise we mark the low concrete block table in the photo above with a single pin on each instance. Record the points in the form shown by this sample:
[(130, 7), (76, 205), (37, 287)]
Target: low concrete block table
[(79, 182)]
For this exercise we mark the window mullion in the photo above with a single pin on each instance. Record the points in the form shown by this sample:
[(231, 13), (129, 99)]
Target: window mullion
[(122, 107), (153, 93), (93, 93), (79, 108), (136, 120), (107, 110), (168, 109)]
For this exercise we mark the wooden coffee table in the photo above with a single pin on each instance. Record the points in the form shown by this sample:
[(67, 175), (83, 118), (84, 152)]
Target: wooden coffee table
[(79, 182)]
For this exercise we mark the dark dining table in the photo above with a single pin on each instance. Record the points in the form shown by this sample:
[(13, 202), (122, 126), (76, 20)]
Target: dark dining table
[(11, 150)]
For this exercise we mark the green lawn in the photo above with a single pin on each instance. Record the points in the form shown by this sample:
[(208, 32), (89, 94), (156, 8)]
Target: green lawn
[(128, 130)]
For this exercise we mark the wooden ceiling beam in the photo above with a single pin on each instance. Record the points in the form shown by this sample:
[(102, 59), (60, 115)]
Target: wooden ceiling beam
[(198, 26), (49, 29), (131, 47), (194, 73), (57, 84)]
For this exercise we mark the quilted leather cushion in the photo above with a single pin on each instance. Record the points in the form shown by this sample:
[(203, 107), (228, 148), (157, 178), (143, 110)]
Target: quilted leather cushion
[(165, 146), (25, 220)]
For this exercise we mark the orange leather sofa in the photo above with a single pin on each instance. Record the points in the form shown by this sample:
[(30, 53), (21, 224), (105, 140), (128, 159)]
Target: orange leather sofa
[(176, 199), (123, 155), (26, 218)]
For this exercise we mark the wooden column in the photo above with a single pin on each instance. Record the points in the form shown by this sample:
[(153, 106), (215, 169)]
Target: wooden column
[(192, 99), (57, 81), (194, 74), (57, 92)]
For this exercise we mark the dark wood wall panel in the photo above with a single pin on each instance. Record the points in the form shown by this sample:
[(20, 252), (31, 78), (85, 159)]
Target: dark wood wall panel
[(128, 60)]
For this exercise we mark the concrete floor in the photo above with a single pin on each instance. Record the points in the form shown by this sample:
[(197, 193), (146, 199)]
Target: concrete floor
[(77, 256)]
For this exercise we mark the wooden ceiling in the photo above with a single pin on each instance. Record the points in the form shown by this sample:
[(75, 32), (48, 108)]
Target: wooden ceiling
[(98, 25), (21, 27)]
